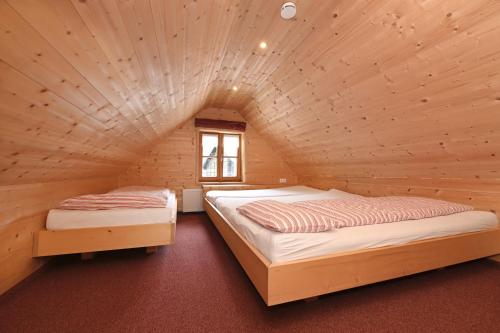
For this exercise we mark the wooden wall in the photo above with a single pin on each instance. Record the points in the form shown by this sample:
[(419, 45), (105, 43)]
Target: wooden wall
[(23, 212), (86, 86), (172, 163), (481, 195), (61, 113), (398, 92), (391, 97)]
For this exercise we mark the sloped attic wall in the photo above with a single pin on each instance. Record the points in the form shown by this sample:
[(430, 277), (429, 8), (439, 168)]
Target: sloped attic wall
[(349, 89), (395, 97), (172, 163), (87, 85)]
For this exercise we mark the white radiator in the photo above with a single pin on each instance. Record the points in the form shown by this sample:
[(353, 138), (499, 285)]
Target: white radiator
[(192, 200)]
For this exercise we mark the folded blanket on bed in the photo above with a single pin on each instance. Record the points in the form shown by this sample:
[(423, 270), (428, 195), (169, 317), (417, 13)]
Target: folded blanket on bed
[(349, 212), (116, 200), (283, 217)]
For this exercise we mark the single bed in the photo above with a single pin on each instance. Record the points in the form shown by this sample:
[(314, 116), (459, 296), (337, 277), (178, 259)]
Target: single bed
[(88, 231), (290, 266)]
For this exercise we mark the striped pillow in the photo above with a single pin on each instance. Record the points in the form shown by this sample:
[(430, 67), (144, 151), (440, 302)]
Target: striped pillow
[(115, 201), (283, 217)]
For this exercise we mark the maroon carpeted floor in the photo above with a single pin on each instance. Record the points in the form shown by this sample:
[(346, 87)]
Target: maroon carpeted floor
[(197, 285)]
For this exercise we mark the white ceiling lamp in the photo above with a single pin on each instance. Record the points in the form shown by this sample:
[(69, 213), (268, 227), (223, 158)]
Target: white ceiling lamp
[(288, 10), (263, 45), (235, 88)]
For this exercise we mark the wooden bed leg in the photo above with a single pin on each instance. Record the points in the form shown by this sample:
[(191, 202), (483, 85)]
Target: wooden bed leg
[(151, 249), (495, 258), (88, 255), (311, 299)]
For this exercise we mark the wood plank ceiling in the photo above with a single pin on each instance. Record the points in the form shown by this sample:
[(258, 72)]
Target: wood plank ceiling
[(348, 88)]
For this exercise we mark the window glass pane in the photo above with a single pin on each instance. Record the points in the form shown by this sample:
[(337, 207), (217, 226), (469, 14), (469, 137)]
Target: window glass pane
[(209, 167), (231, 145), (209, 143), (230, 167)]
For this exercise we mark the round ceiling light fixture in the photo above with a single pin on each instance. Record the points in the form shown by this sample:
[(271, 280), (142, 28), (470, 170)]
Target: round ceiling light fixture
[(263, 45), (288, 10), (235, 88)]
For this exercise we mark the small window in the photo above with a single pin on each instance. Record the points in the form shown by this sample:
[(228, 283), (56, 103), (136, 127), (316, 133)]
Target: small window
[(220, 156)]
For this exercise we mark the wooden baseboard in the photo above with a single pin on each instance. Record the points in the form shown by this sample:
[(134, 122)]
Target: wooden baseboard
[(311, 299), (495, 258), (151, 249)]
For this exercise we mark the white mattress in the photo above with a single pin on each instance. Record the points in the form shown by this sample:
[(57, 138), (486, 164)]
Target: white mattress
[(59, 219), (280, 247)]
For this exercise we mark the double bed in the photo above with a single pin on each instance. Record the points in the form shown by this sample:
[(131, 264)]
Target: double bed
[(291, 266), (88, 231)]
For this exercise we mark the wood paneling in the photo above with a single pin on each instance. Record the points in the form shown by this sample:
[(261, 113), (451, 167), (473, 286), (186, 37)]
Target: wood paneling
[(172, 163), (23, 212), (482, 195), (57, 121), (86, 86), (391, 97), (394, 89), (347, 89)]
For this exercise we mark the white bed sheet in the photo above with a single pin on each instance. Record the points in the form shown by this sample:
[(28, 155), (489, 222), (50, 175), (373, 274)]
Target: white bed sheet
[(281, 247), (59, 219), (214, 196)]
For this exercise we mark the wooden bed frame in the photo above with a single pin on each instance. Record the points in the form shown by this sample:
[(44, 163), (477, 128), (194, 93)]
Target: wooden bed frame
[(88, 240), (307, 278)]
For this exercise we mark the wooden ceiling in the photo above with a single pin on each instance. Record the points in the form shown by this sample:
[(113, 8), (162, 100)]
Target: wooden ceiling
[(348, 88), (390, 89)]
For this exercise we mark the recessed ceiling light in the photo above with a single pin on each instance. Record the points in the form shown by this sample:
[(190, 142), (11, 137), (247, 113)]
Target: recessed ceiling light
[(263, 45), (235, 88), (288, 10)]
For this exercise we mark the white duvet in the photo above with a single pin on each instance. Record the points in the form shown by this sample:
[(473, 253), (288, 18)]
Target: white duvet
[(280, 247)]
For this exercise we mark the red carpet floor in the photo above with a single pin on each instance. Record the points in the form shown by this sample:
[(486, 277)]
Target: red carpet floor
[(198, 286)]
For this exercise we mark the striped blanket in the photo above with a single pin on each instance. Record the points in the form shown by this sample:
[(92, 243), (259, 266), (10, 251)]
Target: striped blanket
[(349, 212), (283, 217), (114, 200)]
